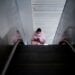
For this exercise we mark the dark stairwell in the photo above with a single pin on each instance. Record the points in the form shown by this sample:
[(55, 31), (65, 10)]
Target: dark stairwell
[(38, 60), (5, 51)]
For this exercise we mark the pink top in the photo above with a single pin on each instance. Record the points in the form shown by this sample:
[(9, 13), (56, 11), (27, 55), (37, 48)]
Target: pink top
[(39, 37)]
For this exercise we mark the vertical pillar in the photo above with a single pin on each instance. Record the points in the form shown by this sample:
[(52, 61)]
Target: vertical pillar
[(25, 13)]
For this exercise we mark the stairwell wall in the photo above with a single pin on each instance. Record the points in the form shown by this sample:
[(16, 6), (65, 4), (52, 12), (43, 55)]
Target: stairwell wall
[(15, 14), (66, 27)]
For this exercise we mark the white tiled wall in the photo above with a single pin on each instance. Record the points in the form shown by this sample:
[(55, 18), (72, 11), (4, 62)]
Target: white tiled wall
[(46, 15)]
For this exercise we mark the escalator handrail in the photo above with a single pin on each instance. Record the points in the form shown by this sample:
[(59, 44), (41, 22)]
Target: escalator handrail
[(70, 45), (10, 57)]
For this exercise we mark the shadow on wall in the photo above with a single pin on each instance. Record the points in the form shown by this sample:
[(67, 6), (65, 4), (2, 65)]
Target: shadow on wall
[(6, 40), (1, 41), (68, 35)]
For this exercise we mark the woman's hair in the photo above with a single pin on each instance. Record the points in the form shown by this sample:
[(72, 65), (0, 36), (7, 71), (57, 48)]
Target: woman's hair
[(17, 31), (38, 30)]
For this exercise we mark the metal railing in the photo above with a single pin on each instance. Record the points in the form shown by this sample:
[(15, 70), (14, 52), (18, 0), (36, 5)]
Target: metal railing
[(69, 44), (10, 58)]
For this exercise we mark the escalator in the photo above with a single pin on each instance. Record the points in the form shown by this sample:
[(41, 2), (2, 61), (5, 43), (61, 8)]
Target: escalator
[(5, 51), (38, 60)]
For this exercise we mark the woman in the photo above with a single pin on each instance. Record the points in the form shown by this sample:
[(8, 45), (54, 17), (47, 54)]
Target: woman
[(38, 38)]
